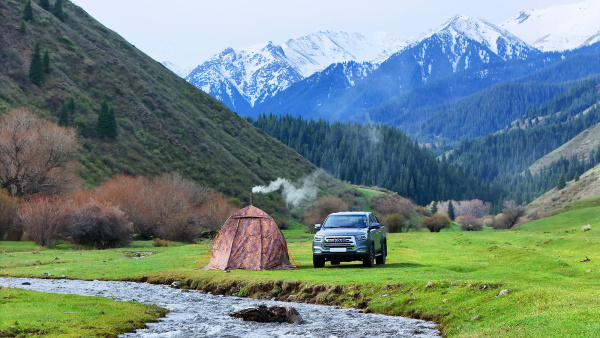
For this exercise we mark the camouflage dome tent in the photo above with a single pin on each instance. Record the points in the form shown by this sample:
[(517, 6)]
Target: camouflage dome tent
[(251, 240)]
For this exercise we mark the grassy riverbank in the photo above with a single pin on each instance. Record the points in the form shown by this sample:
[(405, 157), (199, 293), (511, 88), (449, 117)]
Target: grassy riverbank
[(552, 293), (24, 313)]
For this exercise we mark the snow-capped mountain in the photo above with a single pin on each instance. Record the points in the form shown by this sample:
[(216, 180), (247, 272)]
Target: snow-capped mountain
[(459, 31), (457, 45), (179, 71), (243, 77), (558, 28)]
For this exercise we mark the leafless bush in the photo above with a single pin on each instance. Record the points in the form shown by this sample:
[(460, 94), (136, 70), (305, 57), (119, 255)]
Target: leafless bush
[(476, 208), (36, 156), (435, 223), (9, 229), (395, 223), (469, 223), (512, 212), (393, 204), (500, 222), (160, 242), (41, 218), (98, 224), (322, 207), (168, 207)]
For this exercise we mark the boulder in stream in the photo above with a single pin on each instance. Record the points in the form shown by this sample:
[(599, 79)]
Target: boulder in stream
[(273, 314)]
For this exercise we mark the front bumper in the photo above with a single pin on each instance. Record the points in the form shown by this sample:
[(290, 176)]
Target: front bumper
[(349, 249)]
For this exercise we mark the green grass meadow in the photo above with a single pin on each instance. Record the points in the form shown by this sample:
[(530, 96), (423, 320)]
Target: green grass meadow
[(552, 293)]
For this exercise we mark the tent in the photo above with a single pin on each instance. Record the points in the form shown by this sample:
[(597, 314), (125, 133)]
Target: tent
[(251, 240)]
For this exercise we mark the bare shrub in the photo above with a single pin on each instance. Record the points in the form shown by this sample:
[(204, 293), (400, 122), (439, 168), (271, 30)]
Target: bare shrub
[(41, 218), (500, 222), (395, 223), (322, 207), (36, 156), (469, 223), (98, 224), (435, 223), (488, 221), (476, 208), (10, 230), (168, 207), (215, 211), (512, 212), (160, 242), (393, 204)]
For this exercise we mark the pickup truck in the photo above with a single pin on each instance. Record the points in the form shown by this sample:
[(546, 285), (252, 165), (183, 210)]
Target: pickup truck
[(349, 236)]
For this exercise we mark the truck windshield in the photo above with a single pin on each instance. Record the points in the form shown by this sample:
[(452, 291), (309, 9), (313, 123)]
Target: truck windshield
[(345, 221)]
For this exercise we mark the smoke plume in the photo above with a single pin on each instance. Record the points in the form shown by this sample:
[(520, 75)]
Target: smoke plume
[(297, 194)]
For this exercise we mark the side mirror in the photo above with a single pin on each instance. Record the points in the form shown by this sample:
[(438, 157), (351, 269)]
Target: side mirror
[(375, 226), (318, 226)]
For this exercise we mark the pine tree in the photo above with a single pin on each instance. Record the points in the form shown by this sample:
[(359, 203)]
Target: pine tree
[(434, 208), (576, 176), (561, 182), (107, 123), (58, 10), (36, 68), (451, 211), (45, 4), (28, 11), (22, 26), (65, 111), (46, 62)]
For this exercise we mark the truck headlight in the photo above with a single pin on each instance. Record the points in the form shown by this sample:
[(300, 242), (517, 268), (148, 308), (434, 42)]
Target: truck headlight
[(318, 238), (362, 237)]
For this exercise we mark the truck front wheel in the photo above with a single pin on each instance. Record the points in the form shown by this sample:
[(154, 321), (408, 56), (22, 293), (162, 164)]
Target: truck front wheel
[(318, 262), (369, 261)]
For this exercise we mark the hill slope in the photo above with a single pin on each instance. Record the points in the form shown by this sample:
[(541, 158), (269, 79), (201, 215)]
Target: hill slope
[(555, 201), (580, 146), (165, 124)]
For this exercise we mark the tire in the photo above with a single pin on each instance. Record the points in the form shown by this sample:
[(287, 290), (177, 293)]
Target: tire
[(335, 262), (318, 262), (369, 261), (380, 260)]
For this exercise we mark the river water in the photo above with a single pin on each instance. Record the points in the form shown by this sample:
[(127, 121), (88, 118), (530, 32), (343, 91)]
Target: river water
[(195, 314)]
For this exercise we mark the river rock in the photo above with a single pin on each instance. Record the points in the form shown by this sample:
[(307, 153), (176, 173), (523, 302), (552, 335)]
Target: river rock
[(273, 314)]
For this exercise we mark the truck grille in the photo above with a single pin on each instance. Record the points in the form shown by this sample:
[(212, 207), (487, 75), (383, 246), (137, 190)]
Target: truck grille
[(338, 241)]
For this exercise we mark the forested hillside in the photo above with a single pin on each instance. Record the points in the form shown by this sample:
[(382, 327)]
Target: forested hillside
[(502, 157), (375, 155), (65, 65)]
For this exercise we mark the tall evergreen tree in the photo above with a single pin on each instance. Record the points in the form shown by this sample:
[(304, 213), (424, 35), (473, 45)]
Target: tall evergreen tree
[(58, 10), (561, 182), (28, 11), (65, 111), (45, 4), (46, 62), (22, 26), (107, 123), (36, 68), (451, 214), (434, 208)]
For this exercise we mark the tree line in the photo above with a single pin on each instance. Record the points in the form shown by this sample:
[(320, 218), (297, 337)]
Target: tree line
[(375, 155)]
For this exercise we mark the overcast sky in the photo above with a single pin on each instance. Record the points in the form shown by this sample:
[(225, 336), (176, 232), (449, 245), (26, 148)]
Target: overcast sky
[(187, 32)]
